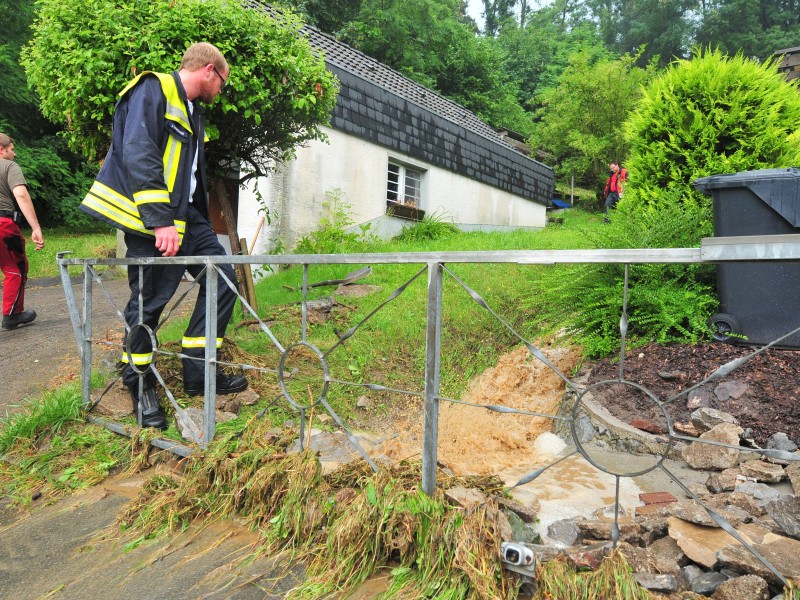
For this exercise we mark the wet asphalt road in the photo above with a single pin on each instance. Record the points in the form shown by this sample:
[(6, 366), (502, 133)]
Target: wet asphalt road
[(37, 357)]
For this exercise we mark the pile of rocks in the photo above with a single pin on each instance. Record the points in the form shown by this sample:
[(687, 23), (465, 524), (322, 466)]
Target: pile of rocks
[(678, 546)]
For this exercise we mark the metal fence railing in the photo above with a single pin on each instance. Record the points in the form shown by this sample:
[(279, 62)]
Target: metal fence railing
[(436, 266)]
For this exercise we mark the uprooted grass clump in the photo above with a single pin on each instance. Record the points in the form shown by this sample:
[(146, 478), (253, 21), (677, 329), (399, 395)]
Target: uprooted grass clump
[(613, 579), (47, 450), (346, 525)]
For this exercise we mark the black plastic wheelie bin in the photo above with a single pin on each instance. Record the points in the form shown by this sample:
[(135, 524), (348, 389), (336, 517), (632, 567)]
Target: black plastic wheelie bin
[(759, 300)]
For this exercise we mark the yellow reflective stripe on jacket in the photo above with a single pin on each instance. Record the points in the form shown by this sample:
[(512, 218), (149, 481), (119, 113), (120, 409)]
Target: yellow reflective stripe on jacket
[(138, 359), (112, 196), (150, 196), (198, 342), (105, 201), (172, 155), (176, 109)]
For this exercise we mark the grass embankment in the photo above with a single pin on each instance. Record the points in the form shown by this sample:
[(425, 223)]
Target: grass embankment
[(94, 244), (351, 523)]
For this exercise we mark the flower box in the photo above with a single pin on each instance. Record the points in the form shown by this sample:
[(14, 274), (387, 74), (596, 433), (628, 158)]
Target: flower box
[(404, 211)]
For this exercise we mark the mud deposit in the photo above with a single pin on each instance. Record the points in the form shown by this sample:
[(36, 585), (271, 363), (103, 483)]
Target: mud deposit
[(763, 394)]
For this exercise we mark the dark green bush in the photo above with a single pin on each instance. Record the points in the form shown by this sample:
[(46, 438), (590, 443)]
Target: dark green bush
[(666, 303), (57, 180)]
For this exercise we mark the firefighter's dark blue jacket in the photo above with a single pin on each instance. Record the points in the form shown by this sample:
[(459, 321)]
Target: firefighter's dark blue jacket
[(146, 177)]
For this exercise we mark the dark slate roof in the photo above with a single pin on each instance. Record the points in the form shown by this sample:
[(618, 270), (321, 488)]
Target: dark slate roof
[(381, 105)]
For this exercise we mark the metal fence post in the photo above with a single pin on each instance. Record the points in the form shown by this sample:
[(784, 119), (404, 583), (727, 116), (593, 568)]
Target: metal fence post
[(72, 307), (86, 335), (433, 336), (210, 391)]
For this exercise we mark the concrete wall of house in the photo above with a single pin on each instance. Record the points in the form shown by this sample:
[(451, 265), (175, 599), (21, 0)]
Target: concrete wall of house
[(355, 172)]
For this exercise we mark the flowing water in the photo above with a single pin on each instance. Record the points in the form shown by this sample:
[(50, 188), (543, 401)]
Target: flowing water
[(475, 441)]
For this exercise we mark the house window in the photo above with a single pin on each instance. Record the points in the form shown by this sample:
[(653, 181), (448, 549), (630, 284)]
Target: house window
[(404, 185)]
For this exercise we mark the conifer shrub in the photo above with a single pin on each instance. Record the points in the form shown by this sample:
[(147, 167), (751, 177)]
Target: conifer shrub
[(711, 115)]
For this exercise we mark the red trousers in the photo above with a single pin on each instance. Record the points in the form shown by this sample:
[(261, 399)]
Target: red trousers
[(14, 265)]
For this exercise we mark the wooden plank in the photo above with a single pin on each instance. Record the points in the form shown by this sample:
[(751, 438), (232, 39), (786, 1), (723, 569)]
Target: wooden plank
[(249, 284)]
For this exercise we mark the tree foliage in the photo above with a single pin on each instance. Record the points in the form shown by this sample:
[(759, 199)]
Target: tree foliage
[(325, 15), (430, 42), (710, 115), (56, 177), (85, 51), (582, 117), (496, 13), (537, 54), (664, 27), (756, 29)]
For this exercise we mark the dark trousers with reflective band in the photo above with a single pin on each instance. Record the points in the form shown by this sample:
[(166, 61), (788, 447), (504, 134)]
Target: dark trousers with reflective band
[(159, 285), (14, 265)]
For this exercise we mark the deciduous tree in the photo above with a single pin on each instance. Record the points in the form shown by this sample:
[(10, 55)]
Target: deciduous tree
[(582, 117), (430, 42), (278, 96)]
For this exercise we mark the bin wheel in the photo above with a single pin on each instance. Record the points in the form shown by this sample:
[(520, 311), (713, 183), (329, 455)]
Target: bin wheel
[(722, 326)]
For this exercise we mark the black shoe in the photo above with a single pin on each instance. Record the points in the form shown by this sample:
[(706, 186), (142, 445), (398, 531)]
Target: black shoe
[(226, 384), (152, 413), (17, 319)]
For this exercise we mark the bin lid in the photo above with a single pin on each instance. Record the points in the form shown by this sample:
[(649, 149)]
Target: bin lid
[(778, 188)]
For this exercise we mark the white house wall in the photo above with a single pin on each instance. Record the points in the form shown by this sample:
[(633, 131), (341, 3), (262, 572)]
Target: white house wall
[(356, 170)]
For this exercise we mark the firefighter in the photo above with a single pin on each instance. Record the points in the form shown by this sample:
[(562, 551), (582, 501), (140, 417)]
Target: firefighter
[(152, 186)]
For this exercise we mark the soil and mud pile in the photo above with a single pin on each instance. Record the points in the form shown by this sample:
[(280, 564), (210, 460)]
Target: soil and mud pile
[(763, 394)]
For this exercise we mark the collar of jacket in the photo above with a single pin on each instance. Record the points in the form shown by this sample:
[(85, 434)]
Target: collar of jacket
[(174, 94)]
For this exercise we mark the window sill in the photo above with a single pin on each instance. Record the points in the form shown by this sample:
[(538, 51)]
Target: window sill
[(403, 211)]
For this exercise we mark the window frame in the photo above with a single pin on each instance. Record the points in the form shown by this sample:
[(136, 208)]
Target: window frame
[(401, 170)]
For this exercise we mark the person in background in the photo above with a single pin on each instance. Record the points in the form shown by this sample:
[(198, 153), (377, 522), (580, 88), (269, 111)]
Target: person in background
[(152, 186), (623, 174), (614, 187), (13, 260)]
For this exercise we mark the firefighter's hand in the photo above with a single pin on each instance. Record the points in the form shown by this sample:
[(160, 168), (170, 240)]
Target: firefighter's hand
[(167, 240)]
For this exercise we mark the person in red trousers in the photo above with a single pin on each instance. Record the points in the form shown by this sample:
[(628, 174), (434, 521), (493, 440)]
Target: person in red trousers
[(13, 261)]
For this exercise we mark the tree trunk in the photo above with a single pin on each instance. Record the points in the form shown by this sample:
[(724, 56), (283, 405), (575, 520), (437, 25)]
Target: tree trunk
[(233, 236)]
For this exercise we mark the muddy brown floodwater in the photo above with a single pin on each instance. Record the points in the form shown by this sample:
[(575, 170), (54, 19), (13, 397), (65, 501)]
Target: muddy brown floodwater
[(475, 441)]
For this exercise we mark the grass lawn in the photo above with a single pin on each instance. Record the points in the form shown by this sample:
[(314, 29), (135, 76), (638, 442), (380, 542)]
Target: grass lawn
[(42, 263)]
